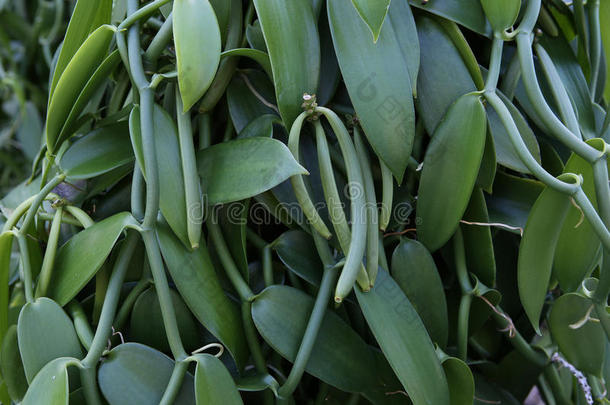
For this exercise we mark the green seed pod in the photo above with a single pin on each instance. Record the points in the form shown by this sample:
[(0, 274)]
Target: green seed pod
[(501, 13)]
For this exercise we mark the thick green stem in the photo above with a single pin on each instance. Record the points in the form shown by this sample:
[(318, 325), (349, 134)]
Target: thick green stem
[(233, 273), (81, 323), (466, 299), (49, 255), (552, 377), (46, 190), (142, 13), (159, 42), (387, 195), (267, 266), (26, 267), (517, 340), (175, 383), (163, 292), (495, 62), (315, 321)]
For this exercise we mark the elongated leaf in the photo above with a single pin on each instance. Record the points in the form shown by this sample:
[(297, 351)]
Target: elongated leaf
[(460, 380), (537, 250), (468, 13), (296, 69), (379, 77), (87, 16), (414, 270), (340, 357), (11, 366), (604, 18), (578, 247), (259, 57), (197, 42), (373, 13), (512, 200), (198, 284), (82, 256), (213, 383), (404, 341), (261, 126), (582, 343), (171, 181), (147, 326), (501, 15), (236, 170), (298, 252), (76, 75), (45, 333), (450, 169), (244, 105), (134, 374), (95, 82), (98, 152), (6, 243), (443, 77), (50, 385)]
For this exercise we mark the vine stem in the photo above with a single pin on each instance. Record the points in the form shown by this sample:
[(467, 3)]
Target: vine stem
[(315, 319), (466, 299)]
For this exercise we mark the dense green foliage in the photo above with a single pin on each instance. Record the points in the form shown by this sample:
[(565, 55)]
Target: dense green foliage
[(304, 202)]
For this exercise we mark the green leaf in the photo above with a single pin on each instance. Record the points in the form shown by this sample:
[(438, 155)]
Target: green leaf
[(505, 151), (414, 270), (460, 380), (236, 170), (512, 200), (257, 56), (11, 366), (45, 333), (29, 132), (404, 341), (147, 326), (6, 244), (537, 250), (134, 374), (213, 383), (340, 357), (75, 77), (244, 105), (197, 282), (450, 169), (98, 78), (197, 42), (172, 200), (501, 14), (50, 385), (477, 240), (260, 126), (98, 152), (87, 16), (373, 13), (298, 252), (437, 86), (380, 77), (468, 13), (82, 256), (604, 19), (578, 247), (582, 343), (294, 51)]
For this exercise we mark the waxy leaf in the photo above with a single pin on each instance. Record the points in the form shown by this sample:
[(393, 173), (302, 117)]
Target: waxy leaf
[(11, 366), (340, 357), (581, 339), (236, 170), (172, 200), (198, 284), (213, 383), (380, 77), (443, 77), (134, 374), (293, 44), (147, 326), (244, 105), (468, 13), (537, 250), (460, 381), (87, 16), (6, 244), (45, 333), (578, 247), (604, 18), (404, 341), (50, 385), (373, 12), (298, 252), (197, 42), (501, 14), (450, 169), (98, 152), (76, 75), (414, 271), (82, 256), (512, 200)]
